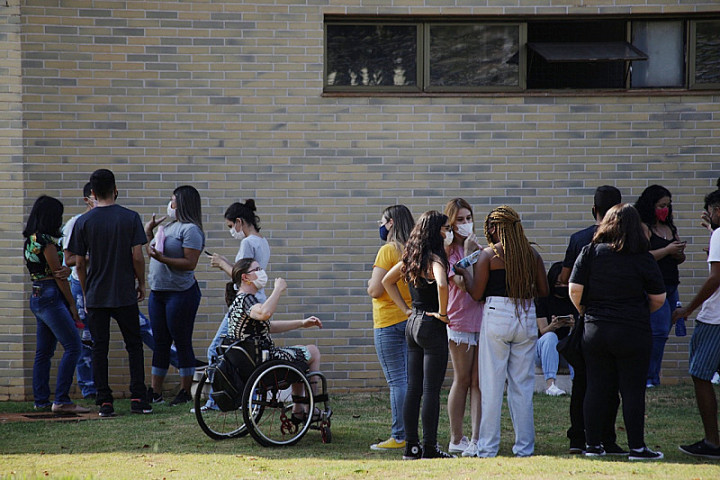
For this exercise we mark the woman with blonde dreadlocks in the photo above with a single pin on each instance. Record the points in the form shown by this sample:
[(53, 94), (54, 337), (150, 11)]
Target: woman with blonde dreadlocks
[(508, 275)]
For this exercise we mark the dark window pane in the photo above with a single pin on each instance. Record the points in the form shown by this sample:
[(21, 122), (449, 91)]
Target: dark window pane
[(544, 74), (474, 55), (371, 55), (707, 52)]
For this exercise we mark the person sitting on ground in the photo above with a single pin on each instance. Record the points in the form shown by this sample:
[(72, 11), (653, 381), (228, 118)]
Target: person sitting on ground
[(248, 318), (556, 308)]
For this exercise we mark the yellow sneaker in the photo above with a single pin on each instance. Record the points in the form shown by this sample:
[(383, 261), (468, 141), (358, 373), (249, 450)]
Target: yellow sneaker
[(389, 444)]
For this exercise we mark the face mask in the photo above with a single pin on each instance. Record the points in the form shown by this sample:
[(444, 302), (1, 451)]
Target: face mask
[(448, 238), (235, 234), (260, 280), (383, 233), (170, 211), (465, 229), (662, 213)]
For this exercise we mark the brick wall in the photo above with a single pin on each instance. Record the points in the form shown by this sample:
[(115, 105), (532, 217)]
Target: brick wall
[(227, 96)]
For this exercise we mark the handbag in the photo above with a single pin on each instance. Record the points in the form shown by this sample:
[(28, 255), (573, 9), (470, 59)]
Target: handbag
[(570, 347)]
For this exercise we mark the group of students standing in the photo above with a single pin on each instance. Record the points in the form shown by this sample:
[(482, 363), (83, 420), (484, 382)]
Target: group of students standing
[(482, 311)]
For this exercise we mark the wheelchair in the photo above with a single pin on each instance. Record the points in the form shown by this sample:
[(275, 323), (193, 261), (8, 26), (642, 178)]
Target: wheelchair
[(256, 397)]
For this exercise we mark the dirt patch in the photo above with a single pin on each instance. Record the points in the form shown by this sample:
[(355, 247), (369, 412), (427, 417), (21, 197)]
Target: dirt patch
[(47, 417)]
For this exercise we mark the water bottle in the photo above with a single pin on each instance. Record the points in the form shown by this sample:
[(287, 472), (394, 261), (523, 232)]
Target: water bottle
[(680, 330), (469, 260)]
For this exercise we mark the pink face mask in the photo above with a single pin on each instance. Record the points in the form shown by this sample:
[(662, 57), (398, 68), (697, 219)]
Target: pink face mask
[(662, 213)]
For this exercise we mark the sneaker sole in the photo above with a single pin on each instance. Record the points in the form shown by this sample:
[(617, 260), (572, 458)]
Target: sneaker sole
[(410, 458), (699, 455), (107, 415), (385, 449)]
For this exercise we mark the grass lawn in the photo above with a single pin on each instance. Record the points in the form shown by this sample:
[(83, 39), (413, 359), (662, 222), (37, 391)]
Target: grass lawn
[(169, 445)]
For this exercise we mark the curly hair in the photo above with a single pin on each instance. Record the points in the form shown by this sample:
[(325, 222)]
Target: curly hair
[(645, 206), (519, 257), (424, 246)]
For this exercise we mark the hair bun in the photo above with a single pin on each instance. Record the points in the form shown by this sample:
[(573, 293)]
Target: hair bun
[(250, 203)]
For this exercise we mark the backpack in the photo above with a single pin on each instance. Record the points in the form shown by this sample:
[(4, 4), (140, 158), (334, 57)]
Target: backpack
[(228, 374)]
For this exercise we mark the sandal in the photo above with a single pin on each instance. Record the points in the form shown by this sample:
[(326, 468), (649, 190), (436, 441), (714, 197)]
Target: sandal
[(301, 417)]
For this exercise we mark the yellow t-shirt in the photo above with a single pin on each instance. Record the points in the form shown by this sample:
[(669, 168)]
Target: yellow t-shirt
[(385, 312)]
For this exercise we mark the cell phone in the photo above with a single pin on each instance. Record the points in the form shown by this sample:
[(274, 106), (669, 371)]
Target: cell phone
[(565, 318), (208, 253)]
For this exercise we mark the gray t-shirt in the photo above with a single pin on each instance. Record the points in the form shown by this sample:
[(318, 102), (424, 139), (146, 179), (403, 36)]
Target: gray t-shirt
[(257, 248), (177, 236)]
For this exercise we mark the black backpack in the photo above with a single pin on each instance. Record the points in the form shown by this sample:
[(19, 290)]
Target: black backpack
[(228, 374)]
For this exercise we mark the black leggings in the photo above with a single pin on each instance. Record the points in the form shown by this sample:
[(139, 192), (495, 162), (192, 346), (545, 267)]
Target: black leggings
[(615, 355), (427, 362)]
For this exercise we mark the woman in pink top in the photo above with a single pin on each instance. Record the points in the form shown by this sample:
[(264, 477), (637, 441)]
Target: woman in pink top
[(465, 316)]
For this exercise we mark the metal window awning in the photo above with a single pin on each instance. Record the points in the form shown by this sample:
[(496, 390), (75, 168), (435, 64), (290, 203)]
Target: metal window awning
[(587, 52)]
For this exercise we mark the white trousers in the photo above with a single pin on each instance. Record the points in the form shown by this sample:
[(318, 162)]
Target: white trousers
[(506, 350)]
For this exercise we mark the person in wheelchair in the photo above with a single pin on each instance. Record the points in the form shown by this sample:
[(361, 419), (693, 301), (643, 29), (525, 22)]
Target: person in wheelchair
[(250, 319)]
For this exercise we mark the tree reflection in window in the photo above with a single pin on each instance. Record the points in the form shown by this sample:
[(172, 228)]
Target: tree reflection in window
[(474, 55), (372, 55), (707, 53)]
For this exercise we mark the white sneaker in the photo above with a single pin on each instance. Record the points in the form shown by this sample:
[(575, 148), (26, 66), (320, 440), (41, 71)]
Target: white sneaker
[(471, 450), (459, 447), (716, 379), (554, 391)]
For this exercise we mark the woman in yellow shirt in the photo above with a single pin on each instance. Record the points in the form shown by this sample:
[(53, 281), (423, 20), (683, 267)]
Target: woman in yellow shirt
[(388, 320)]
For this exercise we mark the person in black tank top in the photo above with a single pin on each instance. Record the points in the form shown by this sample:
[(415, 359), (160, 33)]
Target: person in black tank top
[(655, 208), (424, 265)]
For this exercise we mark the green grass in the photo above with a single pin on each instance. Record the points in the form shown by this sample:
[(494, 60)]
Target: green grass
[(169, 445)]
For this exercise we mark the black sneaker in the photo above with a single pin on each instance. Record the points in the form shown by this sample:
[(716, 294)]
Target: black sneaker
[(577, 447), (614, 449), (701, 449), (644, 454), (107, 410), (138, 405), (412, 452), (182, 397), (154, 397), (594, 451), (435, 452)]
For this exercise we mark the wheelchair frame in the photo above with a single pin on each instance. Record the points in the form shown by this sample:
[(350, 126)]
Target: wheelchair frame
[(266, 405)]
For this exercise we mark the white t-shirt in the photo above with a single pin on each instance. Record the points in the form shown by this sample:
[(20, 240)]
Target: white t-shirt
[(67, 233), (710, 311)]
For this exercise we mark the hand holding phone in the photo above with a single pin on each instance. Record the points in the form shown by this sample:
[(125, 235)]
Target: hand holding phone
[(565, 320)]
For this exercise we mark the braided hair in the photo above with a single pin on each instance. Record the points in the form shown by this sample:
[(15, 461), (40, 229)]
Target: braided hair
[(519, 257)]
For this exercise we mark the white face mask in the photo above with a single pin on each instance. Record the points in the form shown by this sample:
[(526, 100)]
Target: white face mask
[(235, 234), (170, 211), (261, 279), (449, 238), (465, 229)]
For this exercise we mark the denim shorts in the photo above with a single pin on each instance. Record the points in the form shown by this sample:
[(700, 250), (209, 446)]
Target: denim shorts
[(463, 338)]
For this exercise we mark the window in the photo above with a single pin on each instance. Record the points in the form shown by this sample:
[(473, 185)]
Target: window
[(437, 55), (705, 71)]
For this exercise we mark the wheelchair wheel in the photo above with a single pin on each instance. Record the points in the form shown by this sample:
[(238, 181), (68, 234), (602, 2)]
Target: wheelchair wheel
[(216, 424), (264, 392)]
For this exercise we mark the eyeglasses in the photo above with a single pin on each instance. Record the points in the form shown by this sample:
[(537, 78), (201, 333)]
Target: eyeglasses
[(256, 269)]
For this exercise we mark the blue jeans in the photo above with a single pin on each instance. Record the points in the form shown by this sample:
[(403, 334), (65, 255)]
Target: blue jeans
[(54, 324), (547, 356), (391, 350), (146, 332), (660, 323), (84, 366), (172, 315)]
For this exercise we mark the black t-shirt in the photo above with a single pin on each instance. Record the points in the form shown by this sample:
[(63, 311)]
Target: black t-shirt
[(552, 305), (617, 284), (668, 265), (577, 241), (424, 295), (107, 235)]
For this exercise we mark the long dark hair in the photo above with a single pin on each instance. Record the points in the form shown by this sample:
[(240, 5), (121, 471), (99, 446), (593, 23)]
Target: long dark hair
[(622, 229), (645, 206), (45, 217), (189, 209), (240, 267), (424, 246), (244, 211), (403, 223)]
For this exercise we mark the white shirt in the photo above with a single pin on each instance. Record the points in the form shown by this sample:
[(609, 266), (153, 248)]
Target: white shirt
[(710, 311), (67, 233)]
